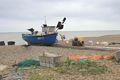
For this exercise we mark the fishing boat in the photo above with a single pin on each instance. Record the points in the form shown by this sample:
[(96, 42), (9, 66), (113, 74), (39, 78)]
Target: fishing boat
[(47, 37)]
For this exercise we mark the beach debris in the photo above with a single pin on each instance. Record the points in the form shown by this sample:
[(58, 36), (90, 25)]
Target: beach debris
[(67, 41), (114, 43), (3, 67), (16, 75), (2, 43), (26, 45), (117, 56), (11, 42), (62, 37), (49, 59), (90, 42), (1, 77), (27, 63), (104, 43), (97, 43), (3, 71)]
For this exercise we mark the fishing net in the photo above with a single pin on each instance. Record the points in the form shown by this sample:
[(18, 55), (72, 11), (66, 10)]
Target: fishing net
[(27, 63)]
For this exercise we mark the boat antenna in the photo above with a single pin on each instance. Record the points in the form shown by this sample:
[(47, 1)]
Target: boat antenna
[(45, 20), (45, 24)]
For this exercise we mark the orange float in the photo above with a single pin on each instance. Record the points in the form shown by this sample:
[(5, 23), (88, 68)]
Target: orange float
[(83, 57), (107, 56), (74, 58), (96, 57)]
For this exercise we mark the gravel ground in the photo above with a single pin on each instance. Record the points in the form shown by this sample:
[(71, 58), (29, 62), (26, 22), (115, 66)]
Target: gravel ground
[(10, 55)]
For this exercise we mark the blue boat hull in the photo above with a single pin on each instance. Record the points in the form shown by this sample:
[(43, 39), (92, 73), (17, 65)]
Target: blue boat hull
[(48, 39)]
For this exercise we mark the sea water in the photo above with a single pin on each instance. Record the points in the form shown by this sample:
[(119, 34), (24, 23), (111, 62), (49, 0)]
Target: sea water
[(17, 36)]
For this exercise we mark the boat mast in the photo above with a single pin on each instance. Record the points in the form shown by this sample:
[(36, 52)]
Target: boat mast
[(45, 20)]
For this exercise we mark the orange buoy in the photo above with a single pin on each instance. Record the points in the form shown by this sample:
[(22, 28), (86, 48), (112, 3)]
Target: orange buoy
[(107, 56), (83, 57), (96, 57), (74, 58)]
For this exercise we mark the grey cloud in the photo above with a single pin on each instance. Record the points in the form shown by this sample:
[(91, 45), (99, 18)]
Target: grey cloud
[(97, 10), (23, 9), (29, 10)]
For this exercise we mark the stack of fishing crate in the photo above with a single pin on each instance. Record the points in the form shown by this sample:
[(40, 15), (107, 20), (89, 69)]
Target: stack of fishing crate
[(49, 59)]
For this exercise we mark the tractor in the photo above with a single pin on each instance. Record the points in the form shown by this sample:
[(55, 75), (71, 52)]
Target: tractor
[(78, 41)]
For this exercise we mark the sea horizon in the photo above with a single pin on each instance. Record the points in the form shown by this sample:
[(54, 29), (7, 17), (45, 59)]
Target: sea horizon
[(58, 31), (17, 36)]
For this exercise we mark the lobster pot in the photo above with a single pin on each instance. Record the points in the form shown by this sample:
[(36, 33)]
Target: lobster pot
[(49, 60), (2, 43), (11, 43)]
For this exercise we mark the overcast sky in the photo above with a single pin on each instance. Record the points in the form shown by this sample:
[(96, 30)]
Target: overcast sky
[(18, 15)]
